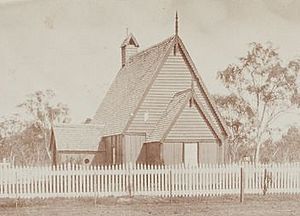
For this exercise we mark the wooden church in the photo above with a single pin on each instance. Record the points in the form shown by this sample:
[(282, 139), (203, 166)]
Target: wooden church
[(158, 110)]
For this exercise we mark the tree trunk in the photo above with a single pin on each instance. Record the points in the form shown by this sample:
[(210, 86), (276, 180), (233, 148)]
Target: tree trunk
[(46, 144), (45, 140), (257, 152)]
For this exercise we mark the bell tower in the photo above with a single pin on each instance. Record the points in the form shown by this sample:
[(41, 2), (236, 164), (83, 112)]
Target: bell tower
[(129, 47)]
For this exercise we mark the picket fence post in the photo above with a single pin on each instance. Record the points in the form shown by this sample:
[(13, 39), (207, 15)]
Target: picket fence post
[(242, 184), (71, 180)]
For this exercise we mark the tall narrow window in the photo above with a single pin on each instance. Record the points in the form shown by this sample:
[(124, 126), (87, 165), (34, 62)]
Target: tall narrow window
[(146, 116), (114, 155)]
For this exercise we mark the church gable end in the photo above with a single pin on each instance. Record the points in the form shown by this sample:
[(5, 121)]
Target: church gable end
[(190, 125), (127, 89), (174, 76)]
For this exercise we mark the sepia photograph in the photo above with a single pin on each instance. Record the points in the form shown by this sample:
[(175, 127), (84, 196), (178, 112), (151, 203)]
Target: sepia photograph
[(150, 107)]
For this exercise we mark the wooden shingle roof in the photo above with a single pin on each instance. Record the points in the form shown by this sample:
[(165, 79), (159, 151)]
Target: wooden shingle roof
[(129, 86), (132, 82), (83, 137)]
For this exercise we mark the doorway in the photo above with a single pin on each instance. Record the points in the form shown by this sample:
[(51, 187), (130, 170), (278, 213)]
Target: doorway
[(190, 154)]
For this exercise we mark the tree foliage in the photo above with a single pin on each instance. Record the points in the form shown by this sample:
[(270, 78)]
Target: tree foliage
[(286, 149), (10, 126), (24, 137), (239, 119), (261, 89), (43, 110)]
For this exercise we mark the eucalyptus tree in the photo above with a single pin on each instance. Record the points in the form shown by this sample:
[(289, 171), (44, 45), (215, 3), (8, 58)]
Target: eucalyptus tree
[(261, 89)]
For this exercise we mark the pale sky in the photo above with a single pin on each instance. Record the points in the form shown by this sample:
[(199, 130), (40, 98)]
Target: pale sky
[(73, 47)]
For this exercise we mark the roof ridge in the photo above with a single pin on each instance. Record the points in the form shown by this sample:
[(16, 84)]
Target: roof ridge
[(207, 116), (169, 39), (182, 92), (129, 86), (211, 102), (127, 39), (174, 107), (73, 125), (175, 98)]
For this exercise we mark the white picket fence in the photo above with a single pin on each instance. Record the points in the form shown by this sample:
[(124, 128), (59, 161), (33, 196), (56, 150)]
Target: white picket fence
[(132, 180)]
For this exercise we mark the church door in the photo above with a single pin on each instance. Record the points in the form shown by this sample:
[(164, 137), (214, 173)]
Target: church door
[(190, 154)]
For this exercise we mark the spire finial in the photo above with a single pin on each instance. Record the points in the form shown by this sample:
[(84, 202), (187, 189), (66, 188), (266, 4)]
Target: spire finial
[(176, 24)]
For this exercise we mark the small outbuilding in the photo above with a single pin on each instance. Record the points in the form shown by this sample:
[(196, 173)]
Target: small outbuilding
[(77, 144)]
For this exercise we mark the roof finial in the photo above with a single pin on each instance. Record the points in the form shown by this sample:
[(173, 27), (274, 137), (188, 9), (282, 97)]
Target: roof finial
[(126, 32), (176, 24)]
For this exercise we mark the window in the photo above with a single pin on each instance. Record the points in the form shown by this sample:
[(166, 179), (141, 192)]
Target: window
[(146, 116), (114, 155)]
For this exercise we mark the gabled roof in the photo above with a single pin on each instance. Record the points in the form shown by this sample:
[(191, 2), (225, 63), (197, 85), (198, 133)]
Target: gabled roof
[(173, 109), (127, 91), (81, 137), (129, 86), (172, 112), (130, 40), (212, 104)]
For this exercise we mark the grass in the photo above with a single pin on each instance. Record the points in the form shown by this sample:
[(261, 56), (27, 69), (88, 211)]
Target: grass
[(215, 206)]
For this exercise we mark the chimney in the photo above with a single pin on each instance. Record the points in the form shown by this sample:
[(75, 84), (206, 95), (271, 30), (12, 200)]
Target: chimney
[(129, 47)]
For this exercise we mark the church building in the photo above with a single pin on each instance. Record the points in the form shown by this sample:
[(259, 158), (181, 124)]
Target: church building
[(157, 110)]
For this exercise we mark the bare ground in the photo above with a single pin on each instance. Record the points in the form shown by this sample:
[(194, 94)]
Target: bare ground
[(279, 205)]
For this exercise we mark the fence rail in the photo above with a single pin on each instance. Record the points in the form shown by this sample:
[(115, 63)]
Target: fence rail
[(130, 179)]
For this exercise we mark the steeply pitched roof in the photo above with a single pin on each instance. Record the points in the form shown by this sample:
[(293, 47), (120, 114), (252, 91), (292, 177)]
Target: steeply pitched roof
[(173, 109), (129, 86), (211, 102), (84, 137), (132, 82), (172, 112)]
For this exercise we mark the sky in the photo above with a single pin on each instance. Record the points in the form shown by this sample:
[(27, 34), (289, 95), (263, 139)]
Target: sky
[(73, 47)]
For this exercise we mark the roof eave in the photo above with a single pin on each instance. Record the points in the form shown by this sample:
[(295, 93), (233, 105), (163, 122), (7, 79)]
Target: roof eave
[(211, 102)]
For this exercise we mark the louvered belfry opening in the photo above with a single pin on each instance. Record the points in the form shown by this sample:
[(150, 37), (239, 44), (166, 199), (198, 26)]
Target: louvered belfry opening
[(129, 48)]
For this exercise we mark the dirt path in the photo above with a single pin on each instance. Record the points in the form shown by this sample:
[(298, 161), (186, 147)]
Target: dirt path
[(213, 206)]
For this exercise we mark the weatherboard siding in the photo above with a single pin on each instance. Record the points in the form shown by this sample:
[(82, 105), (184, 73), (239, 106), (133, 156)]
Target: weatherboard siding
[(205, 105), (130, 51), (190, 125), (200, 92), (173, 77)]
